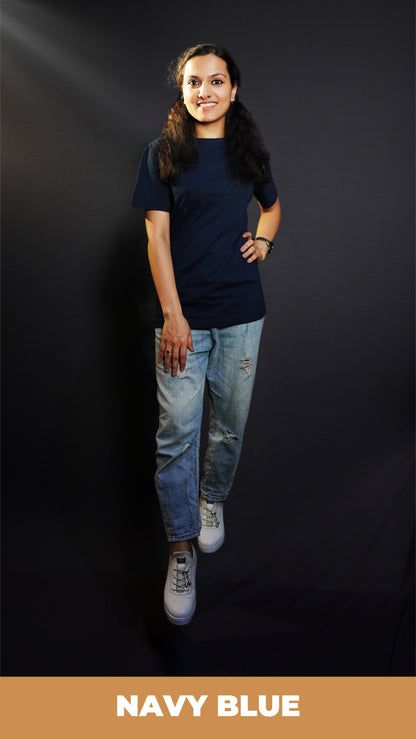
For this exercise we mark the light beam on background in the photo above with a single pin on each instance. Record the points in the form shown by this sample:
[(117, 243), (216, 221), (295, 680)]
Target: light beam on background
[(58, 43)]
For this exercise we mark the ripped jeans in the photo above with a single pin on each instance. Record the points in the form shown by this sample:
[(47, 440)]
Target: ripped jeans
[(226, 360)]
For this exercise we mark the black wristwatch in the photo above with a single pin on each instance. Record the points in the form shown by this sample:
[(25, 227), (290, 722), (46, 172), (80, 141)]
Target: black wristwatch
[(266, 241)]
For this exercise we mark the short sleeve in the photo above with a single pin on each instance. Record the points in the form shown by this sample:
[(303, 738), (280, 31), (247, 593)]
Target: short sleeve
[(150, 192), (266, 193)]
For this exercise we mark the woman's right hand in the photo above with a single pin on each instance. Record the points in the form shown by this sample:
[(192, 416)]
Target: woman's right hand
[(176, 340)]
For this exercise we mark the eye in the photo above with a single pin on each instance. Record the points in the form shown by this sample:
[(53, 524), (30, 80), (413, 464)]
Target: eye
[(218, 82), (193, 83)]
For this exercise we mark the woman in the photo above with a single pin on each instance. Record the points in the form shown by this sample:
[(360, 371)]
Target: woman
[(195, 183)]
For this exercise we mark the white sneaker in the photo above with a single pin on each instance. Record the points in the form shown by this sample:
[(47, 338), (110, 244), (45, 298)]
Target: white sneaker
[(180, 591), (212, 533)]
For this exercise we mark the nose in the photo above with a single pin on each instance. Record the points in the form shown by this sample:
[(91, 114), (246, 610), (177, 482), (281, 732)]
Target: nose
[(204, 91)]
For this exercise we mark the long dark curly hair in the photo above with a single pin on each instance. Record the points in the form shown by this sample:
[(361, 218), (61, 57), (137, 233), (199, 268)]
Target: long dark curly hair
[(245, 153)]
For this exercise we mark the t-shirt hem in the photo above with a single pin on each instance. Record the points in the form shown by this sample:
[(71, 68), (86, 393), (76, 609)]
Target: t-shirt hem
[(204, 324)]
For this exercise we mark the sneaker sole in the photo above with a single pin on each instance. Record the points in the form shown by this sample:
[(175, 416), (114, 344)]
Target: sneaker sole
[(179, 620), (210, 548)]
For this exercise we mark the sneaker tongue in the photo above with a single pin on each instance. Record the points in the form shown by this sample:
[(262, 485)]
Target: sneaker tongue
[(182, 557)]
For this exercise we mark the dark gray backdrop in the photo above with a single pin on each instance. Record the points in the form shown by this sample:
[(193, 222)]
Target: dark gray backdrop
[(314, 577)]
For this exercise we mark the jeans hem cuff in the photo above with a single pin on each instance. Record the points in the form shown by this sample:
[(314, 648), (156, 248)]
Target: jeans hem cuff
[(184, 537), (214, 497)]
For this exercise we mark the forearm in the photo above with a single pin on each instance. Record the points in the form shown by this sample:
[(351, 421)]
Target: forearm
[(254, 249), (161, 266), (269, 221)]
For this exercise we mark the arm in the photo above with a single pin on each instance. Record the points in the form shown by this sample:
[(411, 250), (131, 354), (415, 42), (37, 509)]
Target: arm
[(176, 334), (269, 221)]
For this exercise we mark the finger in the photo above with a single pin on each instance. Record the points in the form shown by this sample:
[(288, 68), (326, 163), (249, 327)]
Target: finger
[(190, 342), (247, 235), (182, 358), (249, 251), (174, 363), (167, 359), (161, 351), (247, 245)]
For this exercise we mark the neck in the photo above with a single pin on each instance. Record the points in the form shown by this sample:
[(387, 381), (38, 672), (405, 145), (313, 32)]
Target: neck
[(210, 130)]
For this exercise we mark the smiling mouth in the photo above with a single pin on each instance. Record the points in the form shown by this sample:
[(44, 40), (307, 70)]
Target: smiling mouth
[(206, 105)]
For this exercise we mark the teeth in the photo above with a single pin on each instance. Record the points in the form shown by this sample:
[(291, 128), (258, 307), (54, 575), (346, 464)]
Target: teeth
[(206, 105)]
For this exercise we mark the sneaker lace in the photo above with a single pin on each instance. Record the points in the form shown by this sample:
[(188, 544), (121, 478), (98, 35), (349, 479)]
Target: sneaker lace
[(209, 515), (180, 579)]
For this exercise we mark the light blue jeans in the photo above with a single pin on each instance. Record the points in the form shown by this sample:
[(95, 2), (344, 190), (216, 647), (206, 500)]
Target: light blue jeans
[(226, 360)]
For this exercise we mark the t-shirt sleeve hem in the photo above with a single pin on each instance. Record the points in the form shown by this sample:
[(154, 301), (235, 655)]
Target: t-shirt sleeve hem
[(147, 206), (269, 202)]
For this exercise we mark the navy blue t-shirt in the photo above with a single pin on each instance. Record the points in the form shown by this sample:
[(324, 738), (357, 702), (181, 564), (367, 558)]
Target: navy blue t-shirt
[(208, 216)]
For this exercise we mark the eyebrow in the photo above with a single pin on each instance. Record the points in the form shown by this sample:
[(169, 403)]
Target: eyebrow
[(216, 74)]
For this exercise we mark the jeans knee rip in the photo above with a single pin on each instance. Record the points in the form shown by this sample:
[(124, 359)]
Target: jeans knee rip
[(229, 436), (245, 364)]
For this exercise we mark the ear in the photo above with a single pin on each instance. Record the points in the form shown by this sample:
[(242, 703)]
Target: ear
[(233, 93)]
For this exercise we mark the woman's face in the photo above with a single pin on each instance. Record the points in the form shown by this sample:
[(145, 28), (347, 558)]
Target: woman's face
[(207, 94)]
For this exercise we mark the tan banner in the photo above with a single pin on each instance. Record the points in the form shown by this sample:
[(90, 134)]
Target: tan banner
[(214, 707)]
